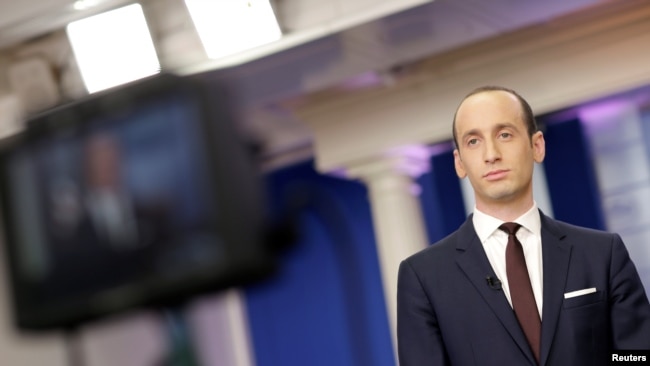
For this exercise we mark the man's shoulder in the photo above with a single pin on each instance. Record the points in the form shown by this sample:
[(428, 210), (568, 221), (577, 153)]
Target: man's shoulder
[(562, 228), (438, 251), (579, 236)]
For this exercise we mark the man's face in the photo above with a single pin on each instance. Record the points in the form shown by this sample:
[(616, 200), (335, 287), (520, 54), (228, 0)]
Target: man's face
[(494, 149), (103, 162)]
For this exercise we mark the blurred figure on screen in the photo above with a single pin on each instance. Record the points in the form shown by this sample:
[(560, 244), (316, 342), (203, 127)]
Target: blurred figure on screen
[(102, 234), (109, 206)]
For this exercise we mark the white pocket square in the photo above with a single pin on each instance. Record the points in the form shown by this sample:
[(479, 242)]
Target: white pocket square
[(585, 291)]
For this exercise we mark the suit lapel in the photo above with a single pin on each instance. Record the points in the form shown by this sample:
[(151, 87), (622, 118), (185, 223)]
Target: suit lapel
[(473, 261), (555, 259)]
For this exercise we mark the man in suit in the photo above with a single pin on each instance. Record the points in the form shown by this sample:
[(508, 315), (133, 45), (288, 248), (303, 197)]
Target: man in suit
[(572, 298)]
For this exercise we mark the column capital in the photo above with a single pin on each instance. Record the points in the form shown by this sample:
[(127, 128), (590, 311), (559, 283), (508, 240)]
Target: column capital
[(408, 160)]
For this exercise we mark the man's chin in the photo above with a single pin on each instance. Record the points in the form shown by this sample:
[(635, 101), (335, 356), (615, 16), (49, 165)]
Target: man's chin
[(502, 196)]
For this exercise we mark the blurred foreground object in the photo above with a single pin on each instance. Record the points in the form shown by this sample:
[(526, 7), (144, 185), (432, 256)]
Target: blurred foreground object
[(142, 195)]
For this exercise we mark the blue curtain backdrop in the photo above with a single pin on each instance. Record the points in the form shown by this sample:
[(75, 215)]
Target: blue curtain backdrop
[(570, 175), (441, 197), (325, 305)]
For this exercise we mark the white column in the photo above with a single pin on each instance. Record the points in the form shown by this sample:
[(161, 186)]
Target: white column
[(397, 214), (220, 327)]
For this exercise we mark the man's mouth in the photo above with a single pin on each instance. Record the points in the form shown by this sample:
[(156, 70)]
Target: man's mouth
[(495, 174)]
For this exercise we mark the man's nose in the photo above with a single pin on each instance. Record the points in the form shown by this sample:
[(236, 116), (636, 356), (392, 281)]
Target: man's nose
[(492, 153)]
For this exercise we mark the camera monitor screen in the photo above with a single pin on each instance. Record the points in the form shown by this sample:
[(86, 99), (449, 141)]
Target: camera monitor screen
[(140, 196)]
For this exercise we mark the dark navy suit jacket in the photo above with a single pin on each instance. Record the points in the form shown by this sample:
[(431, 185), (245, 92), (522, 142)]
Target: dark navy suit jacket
[(447, 314)]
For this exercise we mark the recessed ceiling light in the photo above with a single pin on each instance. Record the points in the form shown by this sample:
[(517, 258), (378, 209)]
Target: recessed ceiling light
[(228, 27), (113, 48)]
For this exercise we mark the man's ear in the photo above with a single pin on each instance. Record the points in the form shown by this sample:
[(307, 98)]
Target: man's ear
[(458, 164), (539, 147)]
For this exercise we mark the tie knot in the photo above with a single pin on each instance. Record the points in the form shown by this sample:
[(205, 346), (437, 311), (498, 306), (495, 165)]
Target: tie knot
[(510, 227)]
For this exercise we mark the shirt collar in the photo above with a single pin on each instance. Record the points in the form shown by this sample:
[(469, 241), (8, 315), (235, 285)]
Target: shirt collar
[(485, 225)]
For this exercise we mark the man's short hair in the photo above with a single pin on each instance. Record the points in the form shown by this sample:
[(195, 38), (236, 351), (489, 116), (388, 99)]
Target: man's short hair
[(527, 111)]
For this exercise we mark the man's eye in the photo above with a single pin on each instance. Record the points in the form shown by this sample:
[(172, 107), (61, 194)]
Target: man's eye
[(472, 141), (505, 135)]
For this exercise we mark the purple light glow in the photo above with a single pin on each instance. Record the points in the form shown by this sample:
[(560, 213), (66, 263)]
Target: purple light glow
[(441, 148), (366, 80), (602, 114)]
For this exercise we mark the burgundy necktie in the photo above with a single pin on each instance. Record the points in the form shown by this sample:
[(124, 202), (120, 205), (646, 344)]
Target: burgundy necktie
[(521, 292)]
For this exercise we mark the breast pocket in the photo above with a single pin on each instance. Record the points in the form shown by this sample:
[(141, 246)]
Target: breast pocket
[(583, 300), (585, 320)]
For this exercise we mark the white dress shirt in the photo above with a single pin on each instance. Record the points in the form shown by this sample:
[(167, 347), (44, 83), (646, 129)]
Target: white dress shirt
[(494, 242)]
